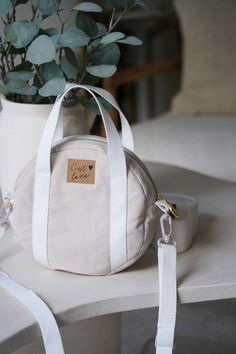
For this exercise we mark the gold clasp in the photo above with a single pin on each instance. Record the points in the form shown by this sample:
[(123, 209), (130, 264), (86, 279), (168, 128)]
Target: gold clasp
[(171, 207)]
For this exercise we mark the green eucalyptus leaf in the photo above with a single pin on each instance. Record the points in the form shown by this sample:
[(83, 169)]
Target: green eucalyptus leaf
[(71, 56), (55, 39), (141, 3), (118, 3), (102, 71), (109, 54), (13, 50), (91, 104), (37, 21), (74, 58), (21, 87), (37, 81), (20, 33), (88, 6), (70, 102), (73, 37), (49, 71), (53, 87), (112, 37), (19, 75), (48, 7), (69, 70), (90, 80), (5, 6), (19, 2), (41, 50), (25, 66), (131, 40), (85, 23), (3, 88), (101, 29), (51, 31), (93, 45)]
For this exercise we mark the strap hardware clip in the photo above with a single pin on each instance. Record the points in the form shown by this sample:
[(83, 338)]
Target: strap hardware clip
[(167, 206), (166, 229)]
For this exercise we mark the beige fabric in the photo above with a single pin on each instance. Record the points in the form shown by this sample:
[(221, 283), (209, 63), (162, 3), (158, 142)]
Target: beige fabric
[(78, 230), (209, 57)]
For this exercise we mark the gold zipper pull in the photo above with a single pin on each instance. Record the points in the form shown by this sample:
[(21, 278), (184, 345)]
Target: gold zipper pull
[(171, 207)]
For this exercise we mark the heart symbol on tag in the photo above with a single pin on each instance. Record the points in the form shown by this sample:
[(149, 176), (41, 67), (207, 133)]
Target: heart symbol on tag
[(90, 167)]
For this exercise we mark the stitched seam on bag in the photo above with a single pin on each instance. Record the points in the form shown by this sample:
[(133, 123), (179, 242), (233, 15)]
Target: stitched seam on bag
[(141, 185), (145, 198), (133, 260)]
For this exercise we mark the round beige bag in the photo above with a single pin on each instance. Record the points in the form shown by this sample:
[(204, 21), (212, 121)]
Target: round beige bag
[(85, 204)]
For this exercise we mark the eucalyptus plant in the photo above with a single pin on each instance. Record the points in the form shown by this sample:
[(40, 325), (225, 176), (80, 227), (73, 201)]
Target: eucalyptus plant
[(36, 62)]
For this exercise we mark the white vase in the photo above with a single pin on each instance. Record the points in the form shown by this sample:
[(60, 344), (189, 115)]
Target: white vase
[(21, 126)]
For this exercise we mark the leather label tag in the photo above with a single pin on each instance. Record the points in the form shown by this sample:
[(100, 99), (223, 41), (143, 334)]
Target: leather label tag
[(81, 171)]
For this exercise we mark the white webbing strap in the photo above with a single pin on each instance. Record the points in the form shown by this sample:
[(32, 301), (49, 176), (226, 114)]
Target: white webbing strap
[(2, 231), (126, 133), (167, 285), (118, 183), (47, 323), (167, 299)]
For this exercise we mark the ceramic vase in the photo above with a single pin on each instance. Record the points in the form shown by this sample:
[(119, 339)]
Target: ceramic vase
[(21, 126)]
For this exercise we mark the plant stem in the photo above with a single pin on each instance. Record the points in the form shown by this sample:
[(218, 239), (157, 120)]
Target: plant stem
[(6, 57), (41, 80), (113, 24), (13, 14), (62, 30), (3, 68), (38, 75), (112, 18), (4, 21), (34, 10), (65, 21), (83, 75), (123, 13)]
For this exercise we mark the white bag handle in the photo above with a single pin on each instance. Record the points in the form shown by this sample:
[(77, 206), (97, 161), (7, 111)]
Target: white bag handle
[(126, 133), (118, 186)]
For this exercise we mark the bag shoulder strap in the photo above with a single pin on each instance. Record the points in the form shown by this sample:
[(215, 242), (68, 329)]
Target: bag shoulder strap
[(167, 285), (167, 288), (47, 323)]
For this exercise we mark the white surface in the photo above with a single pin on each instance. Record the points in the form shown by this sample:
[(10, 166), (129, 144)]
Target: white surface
[(204, 145), (205, 271)]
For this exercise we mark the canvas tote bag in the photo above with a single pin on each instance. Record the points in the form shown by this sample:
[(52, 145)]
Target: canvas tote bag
[(88, 206)]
